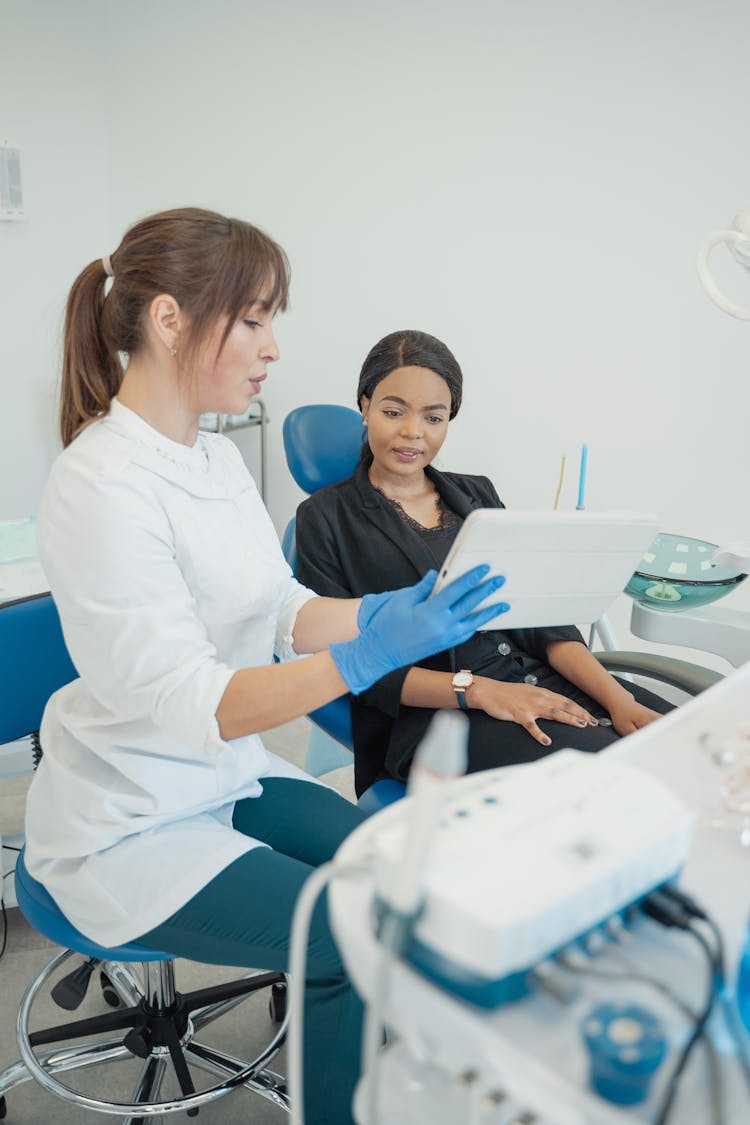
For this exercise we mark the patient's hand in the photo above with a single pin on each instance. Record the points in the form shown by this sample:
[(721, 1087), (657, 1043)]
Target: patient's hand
[(628, 716), (524, 704)]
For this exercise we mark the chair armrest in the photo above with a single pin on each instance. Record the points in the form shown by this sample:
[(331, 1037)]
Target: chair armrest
[(690, 678)]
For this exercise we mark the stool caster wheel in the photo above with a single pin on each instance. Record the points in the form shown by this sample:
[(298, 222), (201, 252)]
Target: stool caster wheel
[(3, 1108), (277, 1003), (108, 991)]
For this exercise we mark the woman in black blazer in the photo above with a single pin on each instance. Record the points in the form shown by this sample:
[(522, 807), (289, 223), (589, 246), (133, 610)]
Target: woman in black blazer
[(526, 691)]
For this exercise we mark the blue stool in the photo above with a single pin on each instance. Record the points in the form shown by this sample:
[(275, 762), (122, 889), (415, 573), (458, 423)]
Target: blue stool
[(155, 1022)]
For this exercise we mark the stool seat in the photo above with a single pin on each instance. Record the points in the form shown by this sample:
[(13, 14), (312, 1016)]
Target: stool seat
[(42, 912)]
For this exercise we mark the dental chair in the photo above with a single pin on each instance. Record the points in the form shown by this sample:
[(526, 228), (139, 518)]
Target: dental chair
[(322, 444), (152, 1021)]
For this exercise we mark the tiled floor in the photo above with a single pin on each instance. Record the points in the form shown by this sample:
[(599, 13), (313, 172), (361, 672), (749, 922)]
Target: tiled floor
[(239, 1033)]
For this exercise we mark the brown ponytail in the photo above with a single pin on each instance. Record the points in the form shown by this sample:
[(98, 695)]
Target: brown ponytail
[(213, 266), (91, 376)]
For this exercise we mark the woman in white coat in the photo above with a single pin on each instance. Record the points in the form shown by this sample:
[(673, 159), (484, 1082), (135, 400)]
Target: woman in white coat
[(156, 813)]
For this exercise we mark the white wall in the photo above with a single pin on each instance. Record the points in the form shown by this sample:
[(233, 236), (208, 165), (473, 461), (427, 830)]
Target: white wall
[(527, 180), (53, 106)]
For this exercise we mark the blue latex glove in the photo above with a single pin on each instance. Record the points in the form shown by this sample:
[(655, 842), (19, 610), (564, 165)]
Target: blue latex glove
[(408, 625), (369, 606)]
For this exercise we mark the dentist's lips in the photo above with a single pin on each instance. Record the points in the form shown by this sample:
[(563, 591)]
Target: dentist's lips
[(255, 384)]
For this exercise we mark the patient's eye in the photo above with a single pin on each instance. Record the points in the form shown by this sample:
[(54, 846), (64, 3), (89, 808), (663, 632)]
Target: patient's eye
[(434, 419)]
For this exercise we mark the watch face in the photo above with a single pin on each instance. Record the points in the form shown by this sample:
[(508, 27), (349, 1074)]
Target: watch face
[(462, 679)]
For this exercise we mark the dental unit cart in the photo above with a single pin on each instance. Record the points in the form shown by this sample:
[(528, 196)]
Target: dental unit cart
[(503, 1006)]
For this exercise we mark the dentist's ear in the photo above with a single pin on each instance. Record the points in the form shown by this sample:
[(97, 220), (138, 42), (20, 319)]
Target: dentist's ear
[(166, 320)]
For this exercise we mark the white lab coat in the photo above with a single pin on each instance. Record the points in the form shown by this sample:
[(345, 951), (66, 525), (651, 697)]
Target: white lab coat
[(168, 576)]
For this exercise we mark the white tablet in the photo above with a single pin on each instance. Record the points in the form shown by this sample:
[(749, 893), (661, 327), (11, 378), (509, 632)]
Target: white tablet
[(561, 568)]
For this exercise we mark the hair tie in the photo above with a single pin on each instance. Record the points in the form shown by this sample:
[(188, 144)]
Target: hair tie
[(107, 263)]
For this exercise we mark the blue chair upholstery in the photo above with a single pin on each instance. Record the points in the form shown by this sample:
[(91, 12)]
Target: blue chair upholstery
[(381, 794), (323, 445), (153, 1021), (31, 631)]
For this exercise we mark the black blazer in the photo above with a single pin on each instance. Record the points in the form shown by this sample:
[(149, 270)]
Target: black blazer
[(351, 542)]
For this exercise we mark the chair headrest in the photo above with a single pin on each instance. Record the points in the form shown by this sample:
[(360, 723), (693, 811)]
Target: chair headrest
[(322, 444)]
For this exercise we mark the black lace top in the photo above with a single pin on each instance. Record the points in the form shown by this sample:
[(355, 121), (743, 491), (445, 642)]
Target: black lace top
[(438, 539)]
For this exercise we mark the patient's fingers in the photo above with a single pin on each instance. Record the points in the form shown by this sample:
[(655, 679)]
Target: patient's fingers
[(535, 732), (526, 703), (569, 712), (561, 715)]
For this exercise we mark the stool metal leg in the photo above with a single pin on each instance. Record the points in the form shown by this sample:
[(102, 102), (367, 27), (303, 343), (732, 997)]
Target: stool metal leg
[(124, 981), (56, 1062), (266, 1083), (203, 1016), (149, 1085), (171, 1037), (160, 991)]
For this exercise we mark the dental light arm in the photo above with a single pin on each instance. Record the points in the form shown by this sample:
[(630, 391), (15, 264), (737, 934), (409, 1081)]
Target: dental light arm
[(738, 241)]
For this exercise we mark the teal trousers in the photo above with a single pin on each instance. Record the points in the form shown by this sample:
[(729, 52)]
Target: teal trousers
[(243, 917)]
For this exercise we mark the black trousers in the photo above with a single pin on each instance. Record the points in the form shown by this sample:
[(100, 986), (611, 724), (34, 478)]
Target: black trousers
[(497, 742)]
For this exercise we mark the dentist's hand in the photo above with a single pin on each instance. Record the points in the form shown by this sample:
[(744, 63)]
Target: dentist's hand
[(407, 625), (369, 606)]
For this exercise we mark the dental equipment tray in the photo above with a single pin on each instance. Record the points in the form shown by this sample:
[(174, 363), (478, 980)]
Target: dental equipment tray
[(527, 859), (561, 568)]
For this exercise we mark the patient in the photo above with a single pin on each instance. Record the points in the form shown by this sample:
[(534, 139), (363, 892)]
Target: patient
[(530, 691)]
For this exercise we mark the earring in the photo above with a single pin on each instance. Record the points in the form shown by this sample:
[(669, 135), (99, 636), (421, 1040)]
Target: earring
[(173, 349)]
